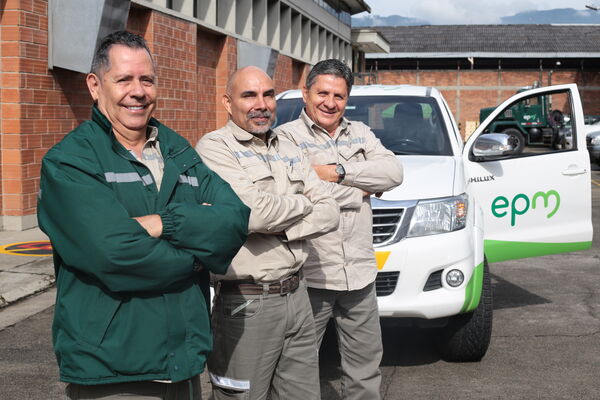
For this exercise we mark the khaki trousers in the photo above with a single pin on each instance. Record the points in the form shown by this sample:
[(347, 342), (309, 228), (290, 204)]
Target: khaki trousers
[(264, 343), (145, 390), (358, 331)]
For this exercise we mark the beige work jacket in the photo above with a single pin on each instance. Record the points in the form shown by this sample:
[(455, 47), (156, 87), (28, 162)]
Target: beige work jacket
[(345, 259), (284, 194)]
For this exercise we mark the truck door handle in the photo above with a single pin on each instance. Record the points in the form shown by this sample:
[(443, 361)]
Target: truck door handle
[(574, 171)]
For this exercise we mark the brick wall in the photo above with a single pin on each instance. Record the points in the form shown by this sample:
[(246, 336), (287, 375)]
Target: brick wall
[(467, 91), (38, 107)]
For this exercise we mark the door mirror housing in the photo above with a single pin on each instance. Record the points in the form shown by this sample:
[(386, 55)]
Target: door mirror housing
[(494, 146)]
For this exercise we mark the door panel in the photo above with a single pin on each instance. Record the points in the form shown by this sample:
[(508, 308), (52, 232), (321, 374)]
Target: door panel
[(538, 201)]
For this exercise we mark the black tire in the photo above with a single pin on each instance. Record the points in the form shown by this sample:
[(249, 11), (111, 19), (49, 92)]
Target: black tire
[(467, 336), (519, 138)]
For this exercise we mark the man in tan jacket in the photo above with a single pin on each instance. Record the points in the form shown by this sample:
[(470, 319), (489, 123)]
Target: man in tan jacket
[(263, 327), (341, 269)]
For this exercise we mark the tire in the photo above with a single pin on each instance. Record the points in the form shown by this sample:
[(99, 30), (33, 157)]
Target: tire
[(467, 336), (519, 138)]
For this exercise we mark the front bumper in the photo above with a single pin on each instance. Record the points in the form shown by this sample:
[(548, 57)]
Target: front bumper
[(420, 265)]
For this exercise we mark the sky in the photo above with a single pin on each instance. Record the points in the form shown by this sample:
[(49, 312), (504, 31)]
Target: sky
[(467, 11)]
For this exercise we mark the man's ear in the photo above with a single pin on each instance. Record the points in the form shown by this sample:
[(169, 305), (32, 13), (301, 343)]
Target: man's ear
[(304, 93), (93, 84), (226, 100)]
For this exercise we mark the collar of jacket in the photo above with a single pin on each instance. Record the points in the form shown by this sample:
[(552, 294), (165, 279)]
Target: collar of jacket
[(242, 135), (177, 153), (171, 143), (344, 123)]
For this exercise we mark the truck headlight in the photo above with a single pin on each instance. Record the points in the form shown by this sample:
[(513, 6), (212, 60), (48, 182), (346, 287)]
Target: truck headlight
[(439, 216)]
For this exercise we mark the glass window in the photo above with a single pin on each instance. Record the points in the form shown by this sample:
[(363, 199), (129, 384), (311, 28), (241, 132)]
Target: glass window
[(539, 124), (404, 124)]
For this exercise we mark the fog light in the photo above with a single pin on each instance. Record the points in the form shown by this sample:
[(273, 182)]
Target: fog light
[(455, 278)]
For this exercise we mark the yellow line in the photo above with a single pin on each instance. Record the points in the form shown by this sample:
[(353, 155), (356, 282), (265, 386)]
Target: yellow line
[(595, 183)]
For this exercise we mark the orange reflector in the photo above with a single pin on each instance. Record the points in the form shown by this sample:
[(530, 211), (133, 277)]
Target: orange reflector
[(381, 257)]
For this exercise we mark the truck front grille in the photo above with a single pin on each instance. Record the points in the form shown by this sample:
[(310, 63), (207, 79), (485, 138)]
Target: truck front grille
[(385, 223), (385, 283)]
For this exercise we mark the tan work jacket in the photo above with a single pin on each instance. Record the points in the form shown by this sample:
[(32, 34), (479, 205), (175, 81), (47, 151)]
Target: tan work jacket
[(345, 259), (285, 195)]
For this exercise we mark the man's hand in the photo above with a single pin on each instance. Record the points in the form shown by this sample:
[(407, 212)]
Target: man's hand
[(327, 172), (367, 194), (151, 223)]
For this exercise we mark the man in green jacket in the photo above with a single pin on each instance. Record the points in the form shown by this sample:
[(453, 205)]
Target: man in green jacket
[(136, 221)]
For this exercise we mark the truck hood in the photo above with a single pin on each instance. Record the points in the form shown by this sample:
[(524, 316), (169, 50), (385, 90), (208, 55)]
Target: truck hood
[(425, 177)]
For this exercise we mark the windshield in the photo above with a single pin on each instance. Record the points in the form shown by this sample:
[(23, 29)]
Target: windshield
[(404, 124)]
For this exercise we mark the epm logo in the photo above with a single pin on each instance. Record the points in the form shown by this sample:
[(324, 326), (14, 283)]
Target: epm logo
[(520, 204)]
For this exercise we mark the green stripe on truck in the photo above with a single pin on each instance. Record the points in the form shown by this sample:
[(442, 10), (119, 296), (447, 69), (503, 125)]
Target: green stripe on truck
[(499, 250), (473, 290)]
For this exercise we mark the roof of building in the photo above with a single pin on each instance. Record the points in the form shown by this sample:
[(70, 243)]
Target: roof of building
[(491, 41)]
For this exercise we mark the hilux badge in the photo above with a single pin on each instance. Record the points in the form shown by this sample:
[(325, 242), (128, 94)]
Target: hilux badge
[(476, 179)]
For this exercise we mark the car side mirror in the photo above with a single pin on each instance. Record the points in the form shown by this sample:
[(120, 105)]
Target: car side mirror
[(493, 146)]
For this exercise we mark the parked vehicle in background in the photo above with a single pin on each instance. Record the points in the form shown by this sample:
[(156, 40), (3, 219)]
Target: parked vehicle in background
[(534, 121), (462, 205), (593, 142)]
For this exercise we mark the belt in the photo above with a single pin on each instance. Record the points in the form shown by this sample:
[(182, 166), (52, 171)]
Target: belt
[(284, 286)]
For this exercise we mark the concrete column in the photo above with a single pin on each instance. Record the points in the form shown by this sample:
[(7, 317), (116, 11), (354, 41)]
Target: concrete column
[(243, 18), (305, 42), (273, 24), (259, 21), (226, 15), (285, 15), (207, 11), (296, 34), (186, 7)]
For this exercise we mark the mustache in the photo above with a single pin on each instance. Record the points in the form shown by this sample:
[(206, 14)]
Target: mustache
[(260, 114)]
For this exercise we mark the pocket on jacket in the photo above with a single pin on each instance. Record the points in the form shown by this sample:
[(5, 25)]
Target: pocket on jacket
[(96, 314), (296, 178), (257, 171), (352, 153)]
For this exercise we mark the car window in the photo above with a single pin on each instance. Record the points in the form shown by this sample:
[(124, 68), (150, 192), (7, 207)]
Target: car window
[(404, 124), (538, 125)]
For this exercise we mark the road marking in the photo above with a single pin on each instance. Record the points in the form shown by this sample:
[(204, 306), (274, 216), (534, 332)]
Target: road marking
[(595, 183), (40, 248)]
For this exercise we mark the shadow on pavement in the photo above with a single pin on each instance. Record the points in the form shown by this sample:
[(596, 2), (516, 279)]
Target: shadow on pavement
[(509, 295)]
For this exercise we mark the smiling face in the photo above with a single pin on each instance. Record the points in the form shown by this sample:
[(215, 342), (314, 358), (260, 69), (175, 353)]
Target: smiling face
[(126, 92), (326, 101), (250, 100)]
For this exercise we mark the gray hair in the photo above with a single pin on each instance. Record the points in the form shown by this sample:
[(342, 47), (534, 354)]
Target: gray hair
[(101, 61), (330, 67)]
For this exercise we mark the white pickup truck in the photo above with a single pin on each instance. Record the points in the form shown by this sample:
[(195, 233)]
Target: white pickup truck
[(462, 205)]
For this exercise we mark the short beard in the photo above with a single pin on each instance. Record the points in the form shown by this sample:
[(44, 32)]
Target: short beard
[(262, 129)]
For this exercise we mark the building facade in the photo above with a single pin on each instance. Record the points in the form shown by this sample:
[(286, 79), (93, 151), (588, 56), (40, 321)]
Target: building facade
[(197, 45)]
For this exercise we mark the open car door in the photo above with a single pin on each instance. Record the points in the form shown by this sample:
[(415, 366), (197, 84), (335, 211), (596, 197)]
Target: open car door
[(536, 201)]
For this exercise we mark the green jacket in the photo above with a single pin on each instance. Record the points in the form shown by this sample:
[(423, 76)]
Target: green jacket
[(131, 307)]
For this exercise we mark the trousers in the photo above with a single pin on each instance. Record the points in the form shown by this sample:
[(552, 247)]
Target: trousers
[(358, 332), (264, 343)]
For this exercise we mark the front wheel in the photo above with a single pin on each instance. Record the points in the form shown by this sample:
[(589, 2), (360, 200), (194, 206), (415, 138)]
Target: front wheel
[(467, 336)]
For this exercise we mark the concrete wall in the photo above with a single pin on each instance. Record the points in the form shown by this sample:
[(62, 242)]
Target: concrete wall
[(38, 107)]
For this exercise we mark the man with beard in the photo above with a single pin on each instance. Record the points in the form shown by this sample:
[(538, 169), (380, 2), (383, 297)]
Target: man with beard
[(263, 328)]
